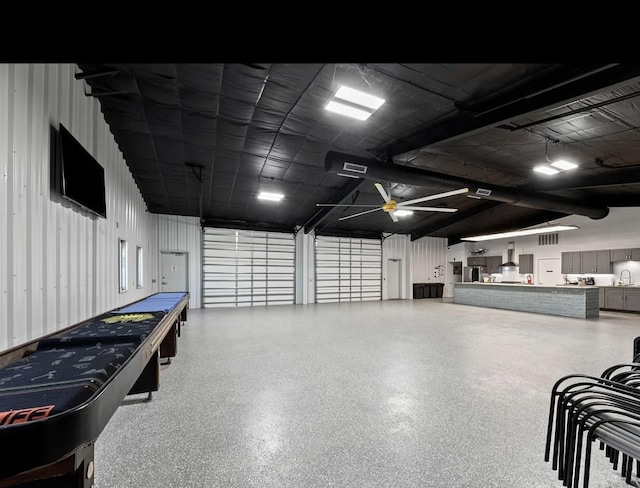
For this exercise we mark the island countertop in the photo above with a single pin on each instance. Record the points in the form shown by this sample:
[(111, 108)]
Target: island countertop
[(567, 300), (525, 285)]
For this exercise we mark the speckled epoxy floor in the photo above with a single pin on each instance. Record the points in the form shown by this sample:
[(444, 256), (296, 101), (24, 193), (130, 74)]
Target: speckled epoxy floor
[(404, 393)]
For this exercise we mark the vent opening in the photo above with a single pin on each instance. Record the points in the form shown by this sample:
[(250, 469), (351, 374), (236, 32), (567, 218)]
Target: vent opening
[(355, 168), (548, 239)]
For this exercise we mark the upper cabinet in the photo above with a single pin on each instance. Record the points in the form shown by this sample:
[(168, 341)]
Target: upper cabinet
[(477, 261), (525, 261), (596, 262), (493, 264), (570, 262), (632, 254)]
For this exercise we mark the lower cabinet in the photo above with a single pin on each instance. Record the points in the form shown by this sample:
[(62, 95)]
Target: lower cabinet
[(621, 298), (633, 301), (602, 300)]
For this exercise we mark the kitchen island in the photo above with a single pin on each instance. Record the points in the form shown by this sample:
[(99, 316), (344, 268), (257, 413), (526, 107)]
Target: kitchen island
[(581, 301)]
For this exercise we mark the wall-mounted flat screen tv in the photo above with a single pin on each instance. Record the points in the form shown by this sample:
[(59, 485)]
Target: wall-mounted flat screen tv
[(82, 176)]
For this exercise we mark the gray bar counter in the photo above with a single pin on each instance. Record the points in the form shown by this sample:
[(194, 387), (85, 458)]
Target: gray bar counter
[(566, 300)]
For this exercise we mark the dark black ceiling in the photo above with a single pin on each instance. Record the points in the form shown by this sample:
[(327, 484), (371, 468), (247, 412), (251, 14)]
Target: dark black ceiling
[(203, 139)]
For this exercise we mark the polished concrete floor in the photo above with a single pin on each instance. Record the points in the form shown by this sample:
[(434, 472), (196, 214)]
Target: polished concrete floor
[(403, 393)]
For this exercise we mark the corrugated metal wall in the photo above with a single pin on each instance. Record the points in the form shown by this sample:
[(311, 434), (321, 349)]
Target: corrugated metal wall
[(429, 257), (183, 234), (58, 265)]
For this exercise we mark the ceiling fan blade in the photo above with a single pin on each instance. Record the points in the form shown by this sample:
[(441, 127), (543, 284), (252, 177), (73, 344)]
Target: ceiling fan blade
[(360, 213), (393, 216), (343, 205), (386, 197), (430, 209), (434, 197)]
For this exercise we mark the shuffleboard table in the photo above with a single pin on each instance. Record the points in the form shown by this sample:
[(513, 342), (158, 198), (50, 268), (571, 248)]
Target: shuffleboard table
[(57, 393)]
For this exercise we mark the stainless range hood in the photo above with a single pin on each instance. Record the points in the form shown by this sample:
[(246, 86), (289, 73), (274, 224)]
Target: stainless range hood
[(511, 247)]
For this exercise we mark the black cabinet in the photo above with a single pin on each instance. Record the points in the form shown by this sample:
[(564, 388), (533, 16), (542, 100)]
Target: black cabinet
[(571, 262), (632, 254)]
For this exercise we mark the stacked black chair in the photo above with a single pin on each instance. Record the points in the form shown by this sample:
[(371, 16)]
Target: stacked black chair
[(584, 409)]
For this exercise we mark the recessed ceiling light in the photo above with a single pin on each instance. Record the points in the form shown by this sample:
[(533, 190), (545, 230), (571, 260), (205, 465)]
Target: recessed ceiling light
[(403, 213), (547, 170), (274, 197), (359, 98), (354, 103), (349, 111), (564, 165)]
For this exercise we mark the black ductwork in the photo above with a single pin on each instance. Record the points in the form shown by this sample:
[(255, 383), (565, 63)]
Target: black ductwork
[(355, 166)]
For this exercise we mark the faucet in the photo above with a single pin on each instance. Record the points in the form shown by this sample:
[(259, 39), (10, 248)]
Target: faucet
[(630, 282)]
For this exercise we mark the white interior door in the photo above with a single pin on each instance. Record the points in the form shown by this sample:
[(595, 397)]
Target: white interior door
[(549, 271), (394, 267), (174, 271)]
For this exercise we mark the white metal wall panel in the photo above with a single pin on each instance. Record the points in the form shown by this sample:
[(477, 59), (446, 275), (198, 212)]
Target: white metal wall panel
[(347, 269), (58, 265), (183, 234), (247, 268), (6, 88), (429, 260)]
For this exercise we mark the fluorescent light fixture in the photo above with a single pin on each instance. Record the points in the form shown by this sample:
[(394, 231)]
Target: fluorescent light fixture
[(523, 232), (564, 165), (403, 213), (359, 98), (354, 103), (274, 197), (547, 170), (347, 110)]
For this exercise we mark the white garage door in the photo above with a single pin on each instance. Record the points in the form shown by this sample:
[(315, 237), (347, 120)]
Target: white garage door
[(348, 269), (245, 268)]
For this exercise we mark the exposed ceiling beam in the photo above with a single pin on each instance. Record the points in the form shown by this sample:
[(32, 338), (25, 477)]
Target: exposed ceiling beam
[(562, 88), (569, 181), (336, 162), (243, 225), (427, 230), (323, 212)]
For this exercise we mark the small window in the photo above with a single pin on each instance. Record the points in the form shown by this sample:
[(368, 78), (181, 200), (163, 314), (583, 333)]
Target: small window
[(139, 269), (123, 265)]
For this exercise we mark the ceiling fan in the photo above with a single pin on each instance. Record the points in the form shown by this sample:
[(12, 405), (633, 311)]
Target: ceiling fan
[(391, 206)]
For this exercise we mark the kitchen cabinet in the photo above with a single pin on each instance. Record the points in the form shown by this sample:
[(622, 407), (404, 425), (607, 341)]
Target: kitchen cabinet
[(632, 300), (571, 262), (614, 298), (632, 254), (477, 261), (622, 298), (525, 261), (493, 264), (596, 262)]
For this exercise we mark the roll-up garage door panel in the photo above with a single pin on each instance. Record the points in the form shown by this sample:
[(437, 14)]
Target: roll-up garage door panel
[(348, 269), (245, 268)]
